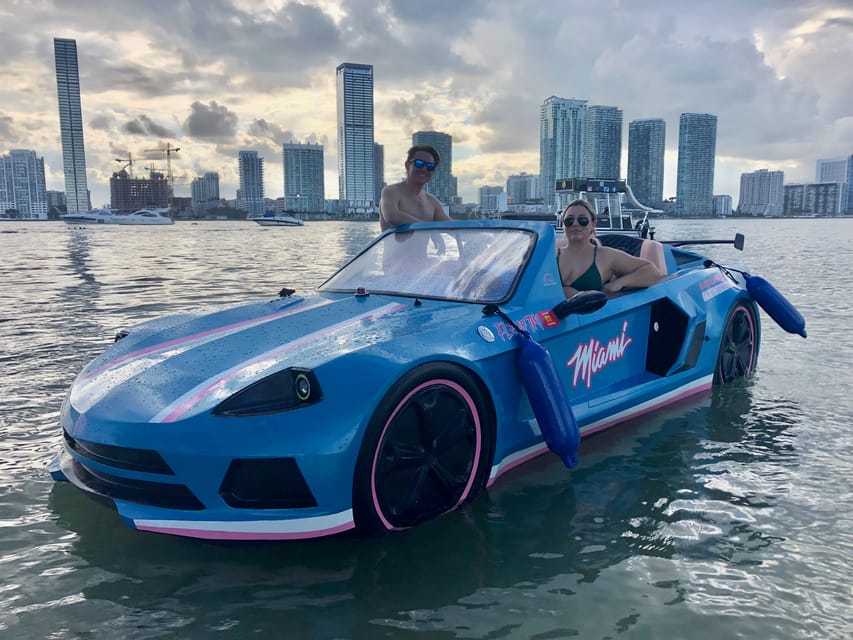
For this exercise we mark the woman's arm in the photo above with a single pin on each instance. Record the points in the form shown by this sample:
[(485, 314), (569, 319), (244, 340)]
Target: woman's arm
[(629, 272)]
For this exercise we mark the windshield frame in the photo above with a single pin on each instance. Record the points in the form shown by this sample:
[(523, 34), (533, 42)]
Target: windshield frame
[(497, 254)]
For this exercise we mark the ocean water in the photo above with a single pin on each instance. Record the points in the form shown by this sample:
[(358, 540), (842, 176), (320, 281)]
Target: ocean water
[(729, 516)]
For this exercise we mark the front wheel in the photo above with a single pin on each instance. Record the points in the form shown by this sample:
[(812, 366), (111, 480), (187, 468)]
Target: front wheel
[(426, 450), (738, 346)]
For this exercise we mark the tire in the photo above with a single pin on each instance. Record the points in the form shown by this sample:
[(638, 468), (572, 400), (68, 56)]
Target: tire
[(426, 451), (738, 345)]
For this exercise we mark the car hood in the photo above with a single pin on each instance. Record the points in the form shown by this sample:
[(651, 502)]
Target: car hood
[(171, 369)]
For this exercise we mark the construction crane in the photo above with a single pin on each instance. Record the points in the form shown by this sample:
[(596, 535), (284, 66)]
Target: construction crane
[(169, 150), (128, 163)]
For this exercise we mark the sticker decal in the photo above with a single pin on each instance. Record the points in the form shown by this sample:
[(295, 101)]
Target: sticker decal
[(591, 357)]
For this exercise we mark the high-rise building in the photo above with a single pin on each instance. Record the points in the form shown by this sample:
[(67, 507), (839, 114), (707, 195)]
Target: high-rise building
[(646, 146), (492, 200), (251, 171), (71, 124), (822, 198), (561, 143), (129, 194), (304, 177), (603, 145), (762, 193), (378, 171), (697, 142), (722, 205), (22, 185), (56, 200), (838, 170), (355, 138), (442, 185), (522, 188), (205, 188)]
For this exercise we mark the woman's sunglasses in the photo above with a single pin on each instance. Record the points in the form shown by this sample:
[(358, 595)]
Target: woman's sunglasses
[(420, 164), (568, 221)]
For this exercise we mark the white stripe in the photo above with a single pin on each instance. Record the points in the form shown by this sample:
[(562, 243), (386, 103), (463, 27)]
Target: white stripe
[(302, 525)]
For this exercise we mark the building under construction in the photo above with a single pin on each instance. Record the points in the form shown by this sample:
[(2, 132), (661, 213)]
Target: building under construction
[(129, 194)]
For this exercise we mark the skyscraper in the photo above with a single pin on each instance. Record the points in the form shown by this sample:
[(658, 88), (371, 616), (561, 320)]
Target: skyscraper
[(251, 170), (561, 143), (71, 124), (522, 188), (762, 193), (205, 188), (442, 185), (378, 170), (697, 142), (603, 145), (838, 170), (22, 184), (304, 178), (646, 145), (355, 137)]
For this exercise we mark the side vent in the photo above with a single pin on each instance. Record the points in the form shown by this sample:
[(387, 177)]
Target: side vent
[(667, 331)]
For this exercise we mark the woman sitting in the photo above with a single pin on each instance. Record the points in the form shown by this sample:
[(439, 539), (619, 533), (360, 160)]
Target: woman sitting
[(585, 266)]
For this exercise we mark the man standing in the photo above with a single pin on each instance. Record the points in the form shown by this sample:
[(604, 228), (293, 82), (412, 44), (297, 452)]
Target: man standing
[(406, 201)]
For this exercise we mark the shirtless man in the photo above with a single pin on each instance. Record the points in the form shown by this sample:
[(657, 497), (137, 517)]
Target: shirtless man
[(406, 201)]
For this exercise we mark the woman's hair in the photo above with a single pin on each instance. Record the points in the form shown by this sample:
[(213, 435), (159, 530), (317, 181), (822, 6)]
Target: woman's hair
[(586, 205)]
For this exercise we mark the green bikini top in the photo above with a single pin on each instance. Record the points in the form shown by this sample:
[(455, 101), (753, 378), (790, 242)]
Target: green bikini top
[(589, 280)]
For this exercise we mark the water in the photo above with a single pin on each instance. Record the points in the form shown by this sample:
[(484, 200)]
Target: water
[(726, 517)]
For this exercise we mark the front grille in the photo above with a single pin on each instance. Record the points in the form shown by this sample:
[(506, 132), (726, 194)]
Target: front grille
[(145, 460), (266, 483), (155, 494)]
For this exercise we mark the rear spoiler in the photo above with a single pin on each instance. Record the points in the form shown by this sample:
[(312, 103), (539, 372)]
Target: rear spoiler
[(737, 242)]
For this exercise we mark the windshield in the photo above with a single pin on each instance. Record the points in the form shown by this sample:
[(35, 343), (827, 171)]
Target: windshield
[(469, 264)]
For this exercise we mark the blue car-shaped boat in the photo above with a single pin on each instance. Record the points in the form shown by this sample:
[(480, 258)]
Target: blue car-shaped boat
[(393, 393)]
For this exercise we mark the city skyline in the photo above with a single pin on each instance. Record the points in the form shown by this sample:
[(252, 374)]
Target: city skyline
[(766, 71)]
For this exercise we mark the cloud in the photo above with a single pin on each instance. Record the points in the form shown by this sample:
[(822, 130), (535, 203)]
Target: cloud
[(6, 131), (412, 114), (145, 126), (102, 122), (211, 122)]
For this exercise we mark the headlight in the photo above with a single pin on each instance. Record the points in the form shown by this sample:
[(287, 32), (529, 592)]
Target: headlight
[(281, 391)]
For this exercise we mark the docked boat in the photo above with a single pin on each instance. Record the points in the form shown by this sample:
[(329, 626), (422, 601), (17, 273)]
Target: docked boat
[(145, 216), (278, 220), (95, 216)]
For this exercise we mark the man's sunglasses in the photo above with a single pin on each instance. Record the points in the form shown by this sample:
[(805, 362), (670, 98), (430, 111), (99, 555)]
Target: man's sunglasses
[(420, 164), (568, 221)]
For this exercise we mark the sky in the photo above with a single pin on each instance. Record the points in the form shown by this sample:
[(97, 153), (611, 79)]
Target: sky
[(213, 77)]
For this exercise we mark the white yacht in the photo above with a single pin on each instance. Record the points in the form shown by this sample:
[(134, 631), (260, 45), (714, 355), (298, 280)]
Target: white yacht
[(95, 216), (145, 216), (278, 220)]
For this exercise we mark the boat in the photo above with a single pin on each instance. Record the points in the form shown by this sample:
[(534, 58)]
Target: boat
[(278, 220), (104, 215), (617, 209), (145, 216), (257, 421)]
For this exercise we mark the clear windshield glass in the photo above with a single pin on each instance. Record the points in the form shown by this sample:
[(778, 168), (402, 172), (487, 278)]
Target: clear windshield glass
[(468, 264)]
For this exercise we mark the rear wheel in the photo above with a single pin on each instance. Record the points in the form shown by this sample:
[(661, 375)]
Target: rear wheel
[(426, 450), (738, 346)]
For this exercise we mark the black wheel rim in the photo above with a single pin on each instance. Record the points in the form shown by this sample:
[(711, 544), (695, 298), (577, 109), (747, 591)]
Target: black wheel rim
[(737, 351), (426, 457)]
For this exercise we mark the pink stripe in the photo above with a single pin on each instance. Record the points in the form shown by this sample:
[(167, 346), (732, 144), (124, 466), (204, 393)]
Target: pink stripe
[(520, 461), (476, 466), (249, 535), (204, 334), (663, 403), (611, 423), (193, 399)]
